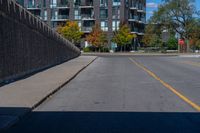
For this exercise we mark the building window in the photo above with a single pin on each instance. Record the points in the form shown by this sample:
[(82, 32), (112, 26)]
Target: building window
[(44, 3), (116, 2), (103, 13), (115, 13), (53, 3), (54, 14), (104, 25), (45, 14), (115, 25), (77, 2), (21, 2), (31, 3), (63, 2), (77, 14), (104, 3)]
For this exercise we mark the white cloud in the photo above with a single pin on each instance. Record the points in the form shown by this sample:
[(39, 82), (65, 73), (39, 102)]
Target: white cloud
[(152, 5)]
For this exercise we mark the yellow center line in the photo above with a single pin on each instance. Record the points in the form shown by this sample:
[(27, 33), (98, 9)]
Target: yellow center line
[(184, 98)]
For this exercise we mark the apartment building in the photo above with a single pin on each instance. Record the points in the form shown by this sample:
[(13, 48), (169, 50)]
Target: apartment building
[(108, 13)]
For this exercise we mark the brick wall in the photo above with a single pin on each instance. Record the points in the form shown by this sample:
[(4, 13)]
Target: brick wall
[(28, 45)]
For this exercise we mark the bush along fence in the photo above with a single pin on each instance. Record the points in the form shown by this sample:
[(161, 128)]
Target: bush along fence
[(28, 45)]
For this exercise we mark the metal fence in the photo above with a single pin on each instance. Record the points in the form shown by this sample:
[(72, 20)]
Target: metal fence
[(27, 44)]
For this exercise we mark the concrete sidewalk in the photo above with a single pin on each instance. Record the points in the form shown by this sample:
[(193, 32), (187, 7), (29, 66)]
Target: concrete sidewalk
[(19, 98)]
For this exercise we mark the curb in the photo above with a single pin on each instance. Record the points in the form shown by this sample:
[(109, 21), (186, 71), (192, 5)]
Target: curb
[(128, 54), (20, 117)]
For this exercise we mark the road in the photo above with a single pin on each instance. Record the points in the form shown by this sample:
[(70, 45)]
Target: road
[(120, 94)]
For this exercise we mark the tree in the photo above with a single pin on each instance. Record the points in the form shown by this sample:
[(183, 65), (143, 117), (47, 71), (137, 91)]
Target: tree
[(152, 35), (176, 15), (97, 38), (194, 34), (123, 36), (71, 31), (172, 43)]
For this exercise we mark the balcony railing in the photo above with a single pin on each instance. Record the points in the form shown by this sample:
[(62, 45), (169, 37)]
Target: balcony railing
[(86, 29), (134, 30), (143, 20), (141, 9), (60, 5), (140, 32), (103, 16), (77, 17), (134, 5), (133, 18), (137, 6), (87, 17), (116, 3), (104, 5), (35, 6), (86, 4), (60, 18)]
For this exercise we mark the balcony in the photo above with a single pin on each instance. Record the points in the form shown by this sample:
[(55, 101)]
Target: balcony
[(86, 29), (86, 4), (134, 30), (116, 3), (60, 6), (140, 32), (78, 17), (134, 5), (104, 5), (63, 6), (60, 18), (86, 17), (133, 8), (34, 7), (142, 20), (133, 18), (141, 9), (103, 16)]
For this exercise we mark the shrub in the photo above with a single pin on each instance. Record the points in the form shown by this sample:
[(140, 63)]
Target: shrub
[(87, 49)]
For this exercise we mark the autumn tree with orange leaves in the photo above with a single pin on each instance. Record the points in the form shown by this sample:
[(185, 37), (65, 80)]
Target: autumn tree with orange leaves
[(97, 38)]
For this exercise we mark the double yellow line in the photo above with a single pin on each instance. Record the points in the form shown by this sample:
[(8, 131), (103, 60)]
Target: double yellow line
[(184, 98)]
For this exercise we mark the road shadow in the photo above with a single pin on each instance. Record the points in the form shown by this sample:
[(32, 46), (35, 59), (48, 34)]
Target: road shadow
[(106, 122)]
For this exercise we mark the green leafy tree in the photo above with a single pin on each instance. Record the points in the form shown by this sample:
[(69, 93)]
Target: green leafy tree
[(97, 38), (172, 43), (71, 31), (152, 35), (156, 41), (194, 34), (123, 36), (176, 15)]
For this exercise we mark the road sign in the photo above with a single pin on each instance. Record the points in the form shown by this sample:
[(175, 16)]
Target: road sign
[(181, 42)]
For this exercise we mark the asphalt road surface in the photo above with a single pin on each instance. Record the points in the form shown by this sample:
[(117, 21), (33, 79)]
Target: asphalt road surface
[(121, 94)]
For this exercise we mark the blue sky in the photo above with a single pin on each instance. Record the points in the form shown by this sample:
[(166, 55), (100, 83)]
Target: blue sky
[(153, 4)]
